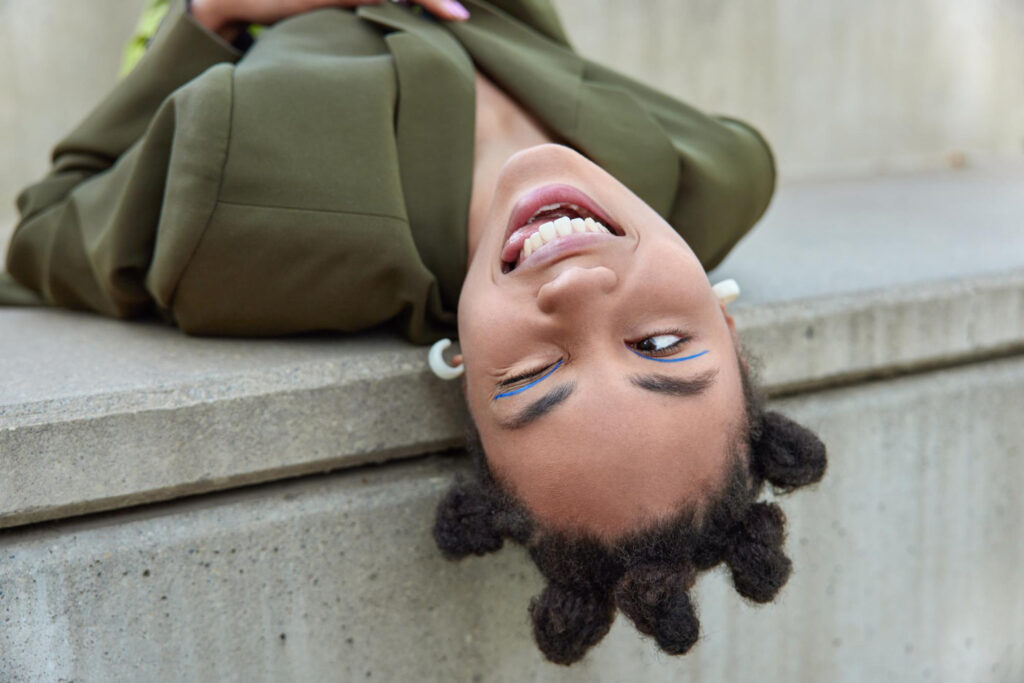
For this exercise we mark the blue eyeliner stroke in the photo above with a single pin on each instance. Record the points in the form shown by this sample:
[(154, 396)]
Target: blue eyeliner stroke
[(527, 386), (671, 360)]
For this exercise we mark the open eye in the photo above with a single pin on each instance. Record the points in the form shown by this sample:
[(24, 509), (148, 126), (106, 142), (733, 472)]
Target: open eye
[(659, 345)]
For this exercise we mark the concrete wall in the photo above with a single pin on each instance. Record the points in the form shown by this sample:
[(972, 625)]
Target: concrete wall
[(840, 88), (59, 58), (907, 568)]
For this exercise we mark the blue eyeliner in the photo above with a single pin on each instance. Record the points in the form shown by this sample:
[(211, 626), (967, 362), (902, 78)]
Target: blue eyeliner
[(527, 386), (670, 360)]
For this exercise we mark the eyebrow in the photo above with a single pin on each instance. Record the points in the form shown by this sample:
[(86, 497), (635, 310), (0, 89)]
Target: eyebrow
[(659, 384), (542, 406), (676, 386)]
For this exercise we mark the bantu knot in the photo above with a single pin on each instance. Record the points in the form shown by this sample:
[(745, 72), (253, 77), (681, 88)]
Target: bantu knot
[(567, 623), (787, 454), (759, 566), (656, 598), (464, 524)]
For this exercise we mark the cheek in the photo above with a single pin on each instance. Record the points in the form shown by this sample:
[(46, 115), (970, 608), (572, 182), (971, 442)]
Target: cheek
[(491, 337), (485, 325), (672, 273)]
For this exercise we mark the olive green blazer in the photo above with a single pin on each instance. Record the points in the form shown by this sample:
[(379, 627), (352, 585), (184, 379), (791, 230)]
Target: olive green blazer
[(321, 181)]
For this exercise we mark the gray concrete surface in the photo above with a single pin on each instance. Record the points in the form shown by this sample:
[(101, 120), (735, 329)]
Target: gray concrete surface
[(906, 560), (887, 233), (116, 414), (97, 414), (816, 342), (839, 87)]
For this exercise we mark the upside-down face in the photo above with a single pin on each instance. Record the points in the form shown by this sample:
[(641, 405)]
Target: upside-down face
[(601, 370)]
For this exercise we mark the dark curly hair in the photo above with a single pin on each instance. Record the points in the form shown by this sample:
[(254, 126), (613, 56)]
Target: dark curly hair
[(648, 574)]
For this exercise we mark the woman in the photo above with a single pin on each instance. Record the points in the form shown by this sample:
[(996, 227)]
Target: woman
[(385, 167)]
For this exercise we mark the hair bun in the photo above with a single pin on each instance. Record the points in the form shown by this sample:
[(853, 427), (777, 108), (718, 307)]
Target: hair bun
[(755, 556), (656, 598), (464, 524), (786, 453), (567, 623)]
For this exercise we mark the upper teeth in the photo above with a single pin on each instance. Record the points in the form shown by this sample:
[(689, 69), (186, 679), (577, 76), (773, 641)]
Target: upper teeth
[(552, 230)]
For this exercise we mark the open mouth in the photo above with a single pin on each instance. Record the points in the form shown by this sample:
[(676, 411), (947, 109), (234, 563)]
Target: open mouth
[(552, 220)]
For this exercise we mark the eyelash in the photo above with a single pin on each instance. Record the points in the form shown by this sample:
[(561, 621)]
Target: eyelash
[(531, 374), (661, 353)]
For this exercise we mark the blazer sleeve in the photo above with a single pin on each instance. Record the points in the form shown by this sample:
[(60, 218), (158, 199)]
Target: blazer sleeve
[(726, 168), (114, 162), (539, 15)]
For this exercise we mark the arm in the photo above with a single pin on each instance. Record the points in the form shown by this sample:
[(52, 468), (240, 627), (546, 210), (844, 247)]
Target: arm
[(105, 163), (726, 169)]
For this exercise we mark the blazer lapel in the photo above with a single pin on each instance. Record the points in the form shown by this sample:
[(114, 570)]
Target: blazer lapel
[(548, 78), (434, 132)]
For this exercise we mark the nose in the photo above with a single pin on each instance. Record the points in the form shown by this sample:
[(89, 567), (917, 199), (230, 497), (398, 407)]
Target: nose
[(573, 287)]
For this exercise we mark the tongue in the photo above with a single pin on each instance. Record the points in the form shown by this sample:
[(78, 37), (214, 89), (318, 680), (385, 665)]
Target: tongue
[(514, 245)]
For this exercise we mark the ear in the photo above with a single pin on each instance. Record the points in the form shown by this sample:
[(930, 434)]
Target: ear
[(787, 454), (465, 523), (657, 599), (754, 553), (567, 622)]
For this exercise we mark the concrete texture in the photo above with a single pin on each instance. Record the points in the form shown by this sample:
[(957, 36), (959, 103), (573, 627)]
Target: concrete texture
[(815, 342), (839, 88), (906, 563), (888, 233), (113, 414)]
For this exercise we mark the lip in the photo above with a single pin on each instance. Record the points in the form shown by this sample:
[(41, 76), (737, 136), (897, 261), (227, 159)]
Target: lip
[(564, 247), (533, 200)]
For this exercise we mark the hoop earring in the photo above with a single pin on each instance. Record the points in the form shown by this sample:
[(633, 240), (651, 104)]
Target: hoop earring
[(727, 291), (438, 365)]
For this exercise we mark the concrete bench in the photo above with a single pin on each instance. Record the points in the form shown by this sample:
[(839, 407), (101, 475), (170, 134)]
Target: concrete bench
[(168, 513)]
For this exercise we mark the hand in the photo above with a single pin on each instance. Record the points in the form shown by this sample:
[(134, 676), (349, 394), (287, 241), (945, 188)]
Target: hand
[(227, 18)]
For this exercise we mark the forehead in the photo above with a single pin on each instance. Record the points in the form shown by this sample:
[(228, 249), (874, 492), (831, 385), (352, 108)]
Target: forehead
[(614, 458)]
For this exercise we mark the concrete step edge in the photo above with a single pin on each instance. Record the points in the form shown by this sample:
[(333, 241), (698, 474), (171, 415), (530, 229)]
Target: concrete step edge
[(115, 451)]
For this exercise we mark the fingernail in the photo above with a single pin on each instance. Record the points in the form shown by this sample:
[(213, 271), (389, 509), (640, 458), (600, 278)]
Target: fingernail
[(455, 9)]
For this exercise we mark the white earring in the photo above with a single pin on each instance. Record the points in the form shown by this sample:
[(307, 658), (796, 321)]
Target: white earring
[(727, 291), (438, 364)]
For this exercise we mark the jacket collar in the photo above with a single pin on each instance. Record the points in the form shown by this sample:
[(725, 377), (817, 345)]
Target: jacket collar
[(573, 98)]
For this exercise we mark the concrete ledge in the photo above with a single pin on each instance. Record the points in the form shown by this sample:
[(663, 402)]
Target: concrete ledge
[(98, 414), (206, 415), (839, 339), (141, 413), (906, 564)]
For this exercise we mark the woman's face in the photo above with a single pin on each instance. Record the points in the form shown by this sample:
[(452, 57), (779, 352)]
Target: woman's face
[(601, 370)]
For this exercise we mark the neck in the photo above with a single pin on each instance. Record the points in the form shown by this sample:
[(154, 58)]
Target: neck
[(503, 128)]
